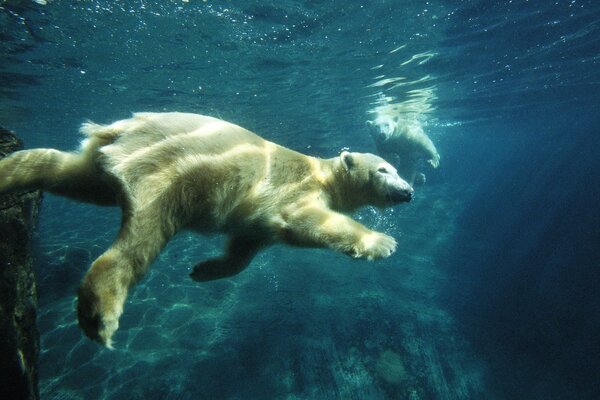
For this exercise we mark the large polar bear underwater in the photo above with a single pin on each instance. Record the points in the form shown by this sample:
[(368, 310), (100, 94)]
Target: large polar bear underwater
[(174, 171)]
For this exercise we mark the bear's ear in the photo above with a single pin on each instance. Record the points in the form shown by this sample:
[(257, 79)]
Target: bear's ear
[(347, 160), (369, 123)]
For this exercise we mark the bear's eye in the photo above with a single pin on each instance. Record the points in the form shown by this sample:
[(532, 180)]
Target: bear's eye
[(383, 170)]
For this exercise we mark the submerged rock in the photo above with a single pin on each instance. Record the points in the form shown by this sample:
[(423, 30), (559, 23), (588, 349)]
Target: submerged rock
[(390, 367), (19, 338)]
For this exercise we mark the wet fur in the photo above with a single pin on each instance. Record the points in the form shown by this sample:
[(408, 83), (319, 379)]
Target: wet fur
[(404, 142), (174, 171)]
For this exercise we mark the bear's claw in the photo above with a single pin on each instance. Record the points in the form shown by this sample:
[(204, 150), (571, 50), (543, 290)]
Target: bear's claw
[(98, 326), (434, 161)]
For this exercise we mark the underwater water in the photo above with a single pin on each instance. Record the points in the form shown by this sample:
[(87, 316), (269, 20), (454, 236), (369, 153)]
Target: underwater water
[(493, 292)]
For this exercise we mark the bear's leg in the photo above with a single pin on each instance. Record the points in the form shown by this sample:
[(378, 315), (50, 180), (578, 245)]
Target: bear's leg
[(103, 292), (34, 169), (239, 253), (66, 174), (420, 179), (320, 227), (407, 171)]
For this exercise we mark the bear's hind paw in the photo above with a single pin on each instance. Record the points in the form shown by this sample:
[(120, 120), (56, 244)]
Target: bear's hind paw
[(97, 325)]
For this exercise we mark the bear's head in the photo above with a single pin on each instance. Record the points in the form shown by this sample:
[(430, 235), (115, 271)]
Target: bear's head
[(382, 128), (370, 180)]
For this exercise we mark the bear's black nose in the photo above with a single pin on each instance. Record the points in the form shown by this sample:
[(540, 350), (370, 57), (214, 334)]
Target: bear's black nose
[(401, 196)]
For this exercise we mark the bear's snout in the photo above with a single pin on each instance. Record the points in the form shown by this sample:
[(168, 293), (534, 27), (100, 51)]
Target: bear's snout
[(402, 193)]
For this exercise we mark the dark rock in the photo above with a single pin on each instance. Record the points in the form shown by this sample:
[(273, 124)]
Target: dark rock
[(19, 338)]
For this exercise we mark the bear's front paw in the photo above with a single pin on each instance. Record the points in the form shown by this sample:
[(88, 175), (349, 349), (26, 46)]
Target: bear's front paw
[(374, 245), (99, 318), (434, 161)]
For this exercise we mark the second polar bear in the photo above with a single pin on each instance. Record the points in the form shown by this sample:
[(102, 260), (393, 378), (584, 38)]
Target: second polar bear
[(403, 142)]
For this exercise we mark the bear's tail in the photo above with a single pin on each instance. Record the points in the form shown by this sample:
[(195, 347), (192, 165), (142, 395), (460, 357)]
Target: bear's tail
[(104, 133)]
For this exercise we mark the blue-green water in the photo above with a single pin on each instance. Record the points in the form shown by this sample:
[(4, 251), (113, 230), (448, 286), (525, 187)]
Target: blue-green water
[(493, 292)]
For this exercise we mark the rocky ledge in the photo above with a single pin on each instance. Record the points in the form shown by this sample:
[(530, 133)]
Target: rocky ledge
[(19, 338)]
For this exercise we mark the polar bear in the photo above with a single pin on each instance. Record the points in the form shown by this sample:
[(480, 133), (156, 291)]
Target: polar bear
[(174, 171), (403, 141)]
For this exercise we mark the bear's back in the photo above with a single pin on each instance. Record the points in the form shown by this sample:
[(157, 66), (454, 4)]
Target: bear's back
[(156, 143), (149, 133), (222, 163)]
